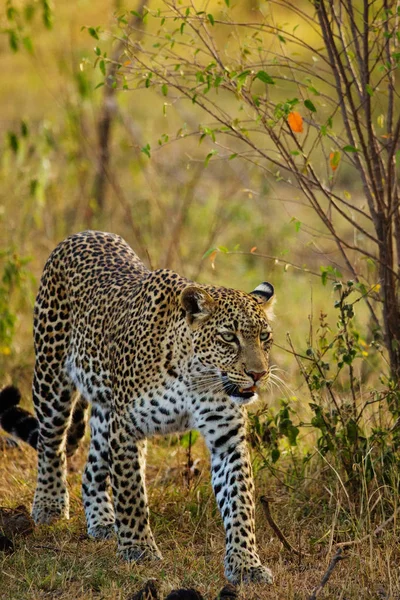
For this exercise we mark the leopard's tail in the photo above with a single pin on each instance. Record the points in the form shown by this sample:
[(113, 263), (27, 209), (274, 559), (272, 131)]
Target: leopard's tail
[(25, 426), (16, 420)]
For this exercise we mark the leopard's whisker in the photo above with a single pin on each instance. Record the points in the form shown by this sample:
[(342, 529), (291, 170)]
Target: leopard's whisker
[(280, 384)]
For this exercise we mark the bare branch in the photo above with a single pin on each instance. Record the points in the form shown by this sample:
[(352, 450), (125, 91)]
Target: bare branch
[(265, 504), (338, 557)]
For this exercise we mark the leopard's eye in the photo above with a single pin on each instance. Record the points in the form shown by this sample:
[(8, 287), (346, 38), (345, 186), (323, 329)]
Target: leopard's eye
[(228, 336), (265, 335)]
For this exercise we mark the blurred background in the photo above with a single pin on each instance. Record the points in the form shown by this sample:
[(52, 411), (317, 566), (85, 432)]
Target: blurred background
[(171, 208)]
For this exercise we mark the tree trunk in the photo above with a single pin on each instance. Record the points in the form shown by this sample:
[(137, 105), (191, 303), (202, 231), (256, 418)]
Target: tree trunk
[(391, 313)]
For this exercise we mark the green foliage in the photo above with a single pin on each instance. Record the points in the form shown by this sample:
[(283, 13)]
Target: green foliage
[(188, 439), (354, 428), (268, 429), (15, 278), (22, 22)]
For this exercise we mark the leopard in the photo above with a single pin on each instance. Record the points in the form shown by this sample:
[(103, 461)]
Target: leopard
[(152, 353)]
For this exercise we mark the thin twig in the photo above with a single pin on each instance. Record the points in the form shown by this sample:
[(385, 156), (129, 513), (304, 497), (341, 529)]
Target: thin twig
[(54, 549), (265, 504), (338, 556)]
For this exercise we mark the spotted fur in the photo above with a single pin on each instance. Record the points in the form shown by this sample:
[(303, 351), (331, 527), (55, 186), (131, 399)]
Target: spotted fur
[(154, 354)]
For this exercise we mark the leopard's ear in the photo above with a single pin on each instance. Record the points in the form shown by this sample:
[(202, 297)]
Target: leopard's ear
[(197, 304), (265, 295)]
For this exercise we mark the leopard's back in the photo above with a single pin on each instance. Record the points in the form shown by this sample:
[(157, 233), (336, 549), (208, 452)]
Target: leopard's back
[(84, 283)]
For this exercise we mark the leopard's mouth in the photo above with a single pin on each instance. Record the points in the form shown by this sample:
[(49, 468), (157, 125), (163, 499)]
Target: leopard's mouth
[(235, 391)]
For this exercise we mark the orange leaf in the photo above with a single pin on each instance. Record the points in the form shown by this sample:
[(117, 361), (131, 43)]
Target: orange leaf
[(254, 248), (127, 63), (334, 160), (295, 121), (212, 258)]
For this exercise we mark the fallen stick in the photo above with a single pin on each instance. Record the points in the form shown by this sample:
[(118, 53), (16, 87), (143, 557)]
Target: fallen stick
[(338, 556), (265, 504)]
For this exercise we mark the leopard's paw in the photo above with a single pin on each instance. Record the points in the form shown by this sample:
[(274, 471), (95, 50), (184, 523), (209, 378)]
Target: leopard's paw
[(102, 532), (140, 553), (242, 568), (48, 511)]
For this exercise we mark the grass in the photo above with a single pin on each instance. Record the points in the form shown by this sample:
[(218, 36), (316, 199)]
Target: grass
[(59, 561)]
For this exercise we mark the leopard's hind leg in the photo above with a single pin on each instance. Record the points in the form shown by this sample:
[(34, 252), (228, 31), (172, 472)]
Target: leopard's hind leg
[(53, 397), (53, 393), (95, 483)]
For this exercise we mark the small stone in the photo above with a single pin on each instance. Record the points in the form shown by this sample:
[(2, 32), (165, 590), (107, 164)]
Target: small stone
[(16, 521)]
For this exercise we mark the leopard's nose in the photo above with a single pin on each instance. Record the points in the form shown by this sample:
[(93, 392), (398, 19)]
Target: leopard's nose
[(256, 376)]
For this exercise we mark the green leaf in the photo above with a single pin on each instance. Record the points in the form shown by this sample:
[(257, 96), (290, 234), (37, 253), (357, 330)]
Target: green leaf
[(308, 104), (189, 438), (234, 155), (227, 2), (47, 14), (146, 150), (275, 454), (369, 89), (264, 77), (13, 141), (350, 149), (102, 67), (241, 78), (211, 19), (92, 31), (292, 433), (24, 129), (209, 156), (11, 13), (297, 224), (164, 89), (28, 45), (313, 90), (398, 157), (13, 40)]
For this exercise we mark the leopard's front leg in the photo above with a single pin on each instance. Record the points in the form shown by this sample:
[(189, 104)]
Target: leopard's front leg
[(127, 470), (233, 485)]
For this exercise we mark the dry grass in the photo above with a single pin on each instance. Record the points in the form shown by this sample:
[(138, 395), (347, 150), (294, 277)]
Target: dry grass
[(59, 561)]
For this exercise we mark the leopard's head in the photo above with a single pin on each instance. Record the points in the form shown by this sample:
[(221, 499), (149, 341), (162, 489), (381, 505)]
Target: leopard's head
[(232, 337)]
